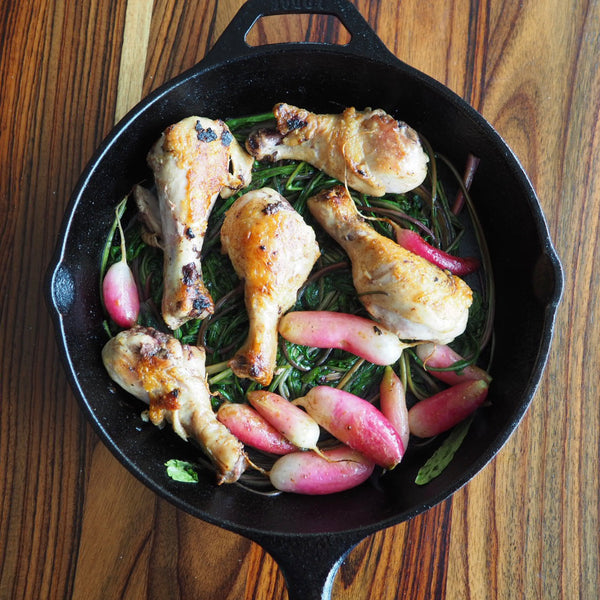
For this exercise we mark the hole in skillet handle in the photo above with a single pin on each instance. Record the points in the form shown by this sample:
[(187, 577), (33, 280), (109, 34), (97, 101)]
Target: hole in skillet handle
[(354, 36), (300, 28)]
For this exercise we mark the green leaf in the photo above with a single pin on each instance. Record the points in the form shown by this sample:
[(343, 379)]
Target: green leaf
[(442, 457), (180, 470)]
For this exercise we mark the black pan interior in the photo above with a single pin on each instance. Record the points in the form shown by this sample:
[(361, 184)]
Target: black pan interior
[(321, 80)]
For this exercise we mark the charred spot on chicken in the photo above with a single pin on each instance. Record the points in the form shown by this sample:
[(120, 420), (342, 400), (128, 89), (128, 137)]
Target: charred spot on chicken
[(226, 138), (272, 208), (205, 135)]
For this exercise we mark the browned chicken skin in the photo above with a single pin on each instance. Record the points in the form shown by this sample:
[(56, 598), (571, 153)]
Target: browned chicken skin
[(191, 163), (406, 293), (273, 250), (369, 151), (170, 377)]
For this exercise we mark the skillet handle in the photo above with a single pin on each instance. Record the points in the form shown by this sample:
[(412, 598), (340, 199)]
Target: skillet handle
[(59, 288), (232, 42), (309, 563)]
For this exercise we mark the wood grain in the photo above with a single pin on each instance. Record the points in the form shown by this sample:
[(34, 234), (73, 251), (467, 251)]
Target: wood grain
[(136, 35), (75, 524)]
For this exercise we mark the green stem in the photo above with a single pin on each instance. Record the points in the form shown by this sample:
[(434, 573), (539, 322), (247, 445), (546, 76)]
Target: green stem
[(240, 122), (119, 210), (217, 367), (220, 376), (347, 378)]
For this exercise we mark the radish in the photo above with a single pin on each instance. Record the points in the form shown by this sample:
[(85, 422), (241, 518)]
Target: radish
[(292, 422), (119, 289), (358, 335), (252, 429), (445, 409), (392, 401), (355, 422), (439, 356), (337, 470), (412, 241)]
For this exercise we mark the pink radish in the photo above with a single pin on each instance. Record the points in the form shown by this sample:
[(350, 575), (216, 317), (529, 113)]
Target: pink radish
[(445, 409), (337, 470), (252, 429), (392, 401), (355, 422), (120, 291), (412, 241), (327, 329), (438, 356), (292, 422)]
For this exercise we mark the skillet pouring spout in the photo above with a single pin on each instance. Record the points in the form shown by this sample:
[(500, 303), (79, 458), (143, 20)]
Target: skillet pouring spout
[(309, 537)]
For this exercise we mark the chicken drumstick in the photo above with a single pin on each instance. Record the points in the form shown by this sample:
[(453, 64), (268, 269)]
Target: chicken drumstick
[(406, 293), (370, 151), (273, 250), (157, 369), (191, 163)]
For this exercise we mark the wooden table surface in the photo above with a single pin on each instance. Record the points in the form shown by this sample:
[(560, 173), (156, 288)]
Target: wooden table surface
[(76, 524)]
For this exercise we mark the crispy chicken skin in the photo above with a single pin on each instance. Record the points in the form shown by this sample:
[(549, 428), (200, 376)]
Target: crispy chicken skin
[(273, 251), (369, 151), (191, 163), (170, 377), (406, 293)]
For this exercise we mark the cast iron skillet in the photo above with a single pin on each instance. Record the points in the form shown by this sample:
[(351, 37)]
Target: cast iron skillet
[(309, 536)]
